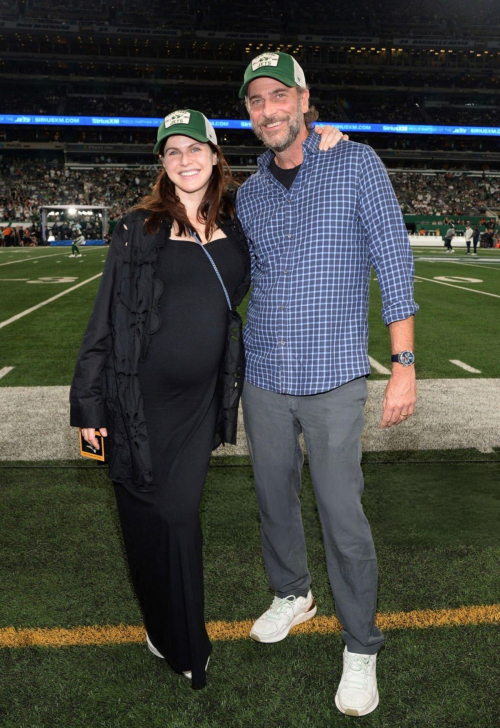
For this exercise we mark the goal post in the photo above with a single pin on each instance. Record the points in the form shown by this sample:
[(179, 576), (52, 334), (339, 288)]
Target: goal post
[(50, 214)]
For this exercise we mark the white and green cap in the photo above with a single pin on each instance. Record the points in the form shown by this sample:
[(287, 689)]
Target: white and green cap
[(187, 122), (280, 66)]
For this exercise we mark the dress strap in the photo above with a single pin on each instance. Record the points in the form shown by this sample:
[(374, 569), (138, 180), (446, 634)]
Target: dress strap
[(196, 237)]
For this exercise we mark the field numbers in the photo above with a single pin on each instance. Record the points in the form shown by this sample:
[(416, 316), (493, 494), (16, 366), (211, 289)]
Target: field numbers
[(55, 279)]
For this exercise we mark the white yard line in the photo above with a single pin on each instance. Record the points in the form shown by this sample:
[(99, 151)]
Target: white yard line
[(467, 368), (462, 288), (378, 367), (5, 370), (38, 257), (49, 300), (458, 262)]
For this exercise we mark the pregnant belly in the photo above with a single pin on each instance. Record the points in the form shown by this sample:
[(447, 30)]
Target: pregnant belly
[(185, 357)]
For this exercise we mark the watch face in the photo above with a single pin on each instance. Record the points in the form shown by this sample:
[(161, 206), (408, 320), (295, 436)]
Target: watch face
[(406, 358)]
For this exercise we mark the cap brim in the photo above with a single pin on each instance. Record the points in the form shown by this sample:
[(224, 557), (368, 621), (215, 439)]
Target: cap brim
[(263, 73), (179, 129)]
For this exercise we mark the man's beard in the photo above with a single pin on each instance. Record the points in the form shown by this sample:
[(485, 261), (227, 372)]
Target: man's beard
[(294, 127)]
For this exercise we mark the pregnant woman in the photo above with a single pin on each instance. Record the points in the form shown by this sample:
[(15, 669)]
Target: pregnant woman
[(156, 371)]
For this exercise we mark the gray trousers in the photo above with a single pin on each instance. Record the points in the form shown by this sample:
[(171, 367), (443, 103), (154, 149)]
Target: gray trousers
[(332, 423)]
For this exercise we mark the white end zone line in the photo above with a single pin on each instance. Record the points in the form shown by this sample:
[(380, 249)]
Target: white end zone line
[(38, 257), (49, 300), (467, 368), (379, 367), (462, 288), (5, 370)]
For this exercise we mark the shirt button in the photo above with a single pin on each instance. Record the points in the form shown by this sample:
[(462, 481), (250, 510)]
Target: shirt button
[(286, 271), (282, 343), (282, 307), (289, 201), (289, 236)]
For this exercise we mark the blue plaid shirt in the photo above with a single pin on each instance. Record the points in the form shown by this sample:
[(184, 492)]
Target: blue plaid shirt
[(312, 250)]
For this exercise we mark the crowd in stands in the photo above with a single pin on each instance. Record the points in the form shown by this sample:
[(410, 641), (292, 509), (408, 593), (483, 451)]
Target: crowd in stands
[(487, 116), (380, 112), (28, 102), (225, 104), (109, 106), (25, 185), (445, 194)]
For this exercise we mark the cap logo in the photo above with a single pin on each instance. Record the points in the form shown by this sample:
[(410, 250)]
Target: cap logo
[(177, 117), (265, 59)]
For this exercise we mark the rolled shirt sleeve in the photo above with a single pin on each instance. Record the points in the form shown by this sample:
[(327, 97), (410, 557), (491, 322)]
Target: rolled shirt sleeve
[(389, 246)]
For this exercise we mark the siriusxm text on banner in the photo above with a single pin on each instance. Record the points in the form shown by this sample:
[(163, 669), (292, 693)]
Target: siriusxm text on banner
[(129, 121)]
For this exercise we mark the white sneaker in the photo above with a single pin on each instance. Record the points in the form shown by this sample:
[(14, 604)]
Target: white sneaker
[(357, 693), (474, 254), (282, 615), (153, 648), (452, 251), (72, 255)]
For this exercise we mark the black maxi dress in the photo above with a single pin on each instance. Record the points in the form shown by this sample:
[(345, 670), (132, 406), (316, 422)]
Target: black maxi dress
[(178, 380)]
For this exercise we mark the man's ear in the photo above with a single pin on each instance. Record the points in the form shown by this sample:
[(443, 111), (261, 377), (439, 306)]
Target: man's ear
[(305, 100)]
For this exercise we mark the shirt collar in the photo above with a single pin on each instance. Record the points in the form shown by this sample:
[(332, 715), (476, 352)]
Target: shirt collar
[(309, 146)]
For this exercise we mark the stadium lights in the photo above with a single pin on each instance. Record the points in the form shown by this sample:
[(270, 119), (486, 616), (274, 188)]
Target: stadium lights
[(72, 211)]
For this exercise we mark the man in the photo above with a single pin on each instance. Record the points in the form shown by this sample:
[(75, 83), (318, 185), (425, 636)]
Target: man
[(78, 239), (316, 222), (9, 235), (475, 239), (450, 234), (469, 234)]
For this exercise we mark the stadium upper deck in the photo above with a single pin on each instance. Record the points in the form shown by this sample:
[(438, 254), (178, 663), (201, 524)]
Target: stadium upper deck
[(427, 16), (381, 62)]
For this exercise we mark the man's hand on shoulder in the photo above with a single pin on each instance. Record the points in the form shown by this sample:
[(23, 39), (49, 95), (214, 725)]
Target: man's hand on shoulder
[(400, 396), (330, 137)]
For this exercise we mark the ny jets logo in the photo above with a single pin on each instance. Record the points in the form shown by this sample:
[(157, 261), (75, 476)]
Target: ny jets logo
[(177, 117), (265, 59)]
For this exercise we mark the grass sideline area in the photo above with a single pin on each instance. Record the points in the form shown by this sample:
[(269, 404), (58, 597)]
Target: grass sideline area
[(453, 323), (436, 531)]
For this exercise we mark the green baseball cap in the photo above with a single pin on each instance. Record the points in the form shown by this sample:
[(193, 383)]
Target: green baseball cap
[(187, 122), (280, 66)]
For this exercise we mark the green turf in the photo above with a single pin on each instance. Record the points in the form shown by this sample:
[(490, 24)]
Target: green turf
[(43, 346), (18, 295), (444, 678), (436, 531), (451, 323), (435, 527)]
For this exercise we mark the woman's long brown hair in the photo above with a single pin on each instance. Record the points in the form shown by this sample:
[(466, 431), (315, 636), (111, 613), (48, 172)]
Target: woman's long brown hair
[(216, 205)]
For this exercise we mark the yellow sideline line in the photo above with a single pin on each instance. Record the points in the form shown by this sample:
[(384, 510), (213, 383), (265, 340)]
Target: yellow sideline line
[(122, 633)]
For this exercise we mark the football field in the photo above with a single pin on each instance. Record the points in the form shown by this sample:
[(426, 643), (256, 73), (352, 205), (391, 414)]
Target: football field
[(459, 298), (72, 648)]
